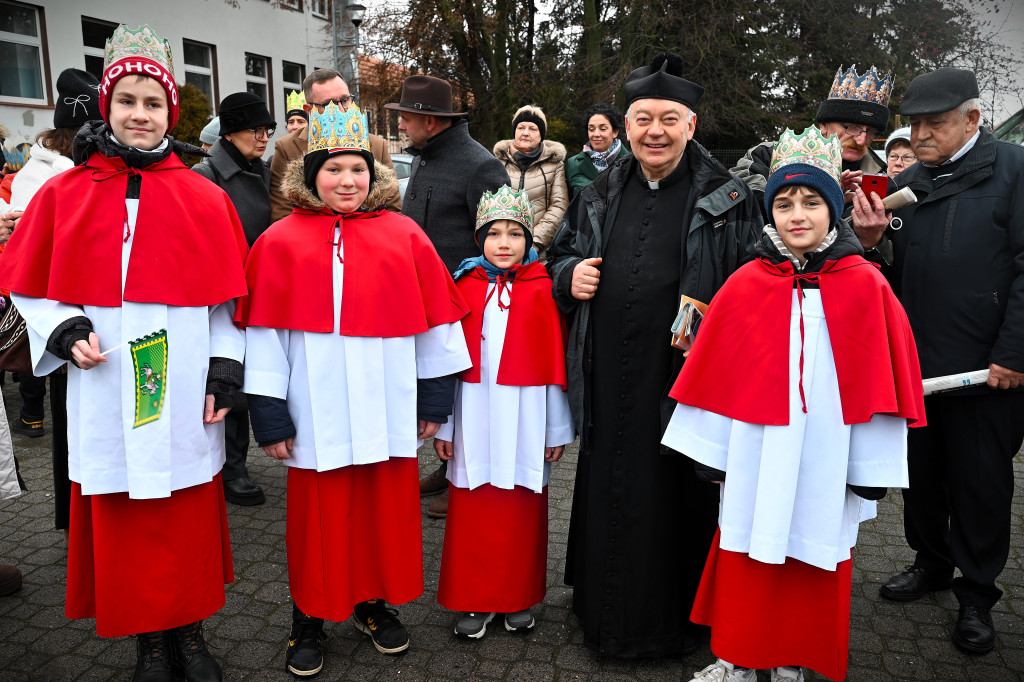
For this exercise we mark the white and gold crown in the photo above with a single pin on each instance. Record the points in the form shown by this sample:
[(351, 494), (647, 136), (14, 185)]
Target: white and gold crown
[(505, 204), (142, 42), (809, 147), (871, 87), (336, 130)]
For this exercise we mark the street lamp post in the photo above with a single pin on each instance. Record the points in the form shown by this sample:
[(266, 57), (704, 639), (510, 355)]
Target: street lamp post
[(345, 20)]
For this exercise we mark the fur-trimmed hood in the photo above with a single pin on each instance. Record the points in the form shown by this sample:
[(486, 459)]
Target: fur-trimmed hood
[(295, 190), (553, 152)]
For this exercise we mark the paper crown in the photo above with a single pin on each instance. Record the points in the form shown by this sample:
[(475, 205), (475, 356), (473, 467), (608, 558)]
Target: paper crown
[(294, 101), (809, 147), (336, 130), (126, 43), (871, 87), (505, 204), (17, 156)]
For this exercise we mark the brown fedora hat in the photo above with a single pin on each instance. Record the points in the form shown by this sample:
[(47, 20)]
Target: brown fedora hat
[(425, 95)]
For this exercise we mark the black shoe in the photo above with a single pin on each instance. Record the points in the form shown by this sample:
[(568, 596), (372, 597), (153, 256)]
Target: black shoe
[(153, 658), (243, 492), (192, 656), (375, 619), (305, 656), (914, 583), (974, 631), (32, 429)]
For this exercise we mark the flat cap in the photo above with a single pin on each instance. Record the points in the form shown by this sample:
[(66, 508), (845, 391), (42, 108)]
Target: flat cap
[(940, 91)]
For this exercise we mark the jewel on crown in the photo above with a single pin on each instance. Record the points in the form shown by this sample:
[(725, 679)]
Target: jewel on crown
[(295, 101), (337, 130), (140, 42), (809, 147), (871, 87), (505, 204)]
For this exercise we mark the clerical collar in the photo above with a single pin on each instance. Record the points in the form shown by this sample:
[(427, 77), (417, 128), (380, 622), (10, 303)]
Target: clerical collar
[(679, 173), (960, 152)]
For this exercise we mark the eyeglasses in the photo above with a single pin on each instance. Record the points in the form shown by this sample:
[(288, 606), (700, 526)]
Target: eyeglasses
[(855, 131), (263, 133), (341, 102), (907, 158)]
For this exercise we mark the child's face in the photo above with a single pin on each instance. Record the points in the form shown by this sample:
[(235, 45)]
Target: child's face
[(801, 217), (505, 243), (138, 112), (343, 182)]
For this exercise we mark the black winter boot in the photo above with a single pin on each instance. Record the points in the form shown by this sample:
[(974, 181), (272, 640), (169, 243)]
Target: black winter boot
[(153, 663), (192, 656), (305, 657)]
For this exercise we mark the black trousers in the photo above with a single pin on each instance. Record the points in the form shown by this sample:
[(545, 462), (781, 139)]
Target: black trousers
[(61, 482), (957, 509), (33, 391), (236, 439)]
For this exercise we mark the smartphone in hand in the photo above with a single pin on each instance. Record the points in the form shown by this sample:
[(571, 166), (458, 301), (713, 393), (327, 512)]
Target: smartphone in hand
[(879, 184)]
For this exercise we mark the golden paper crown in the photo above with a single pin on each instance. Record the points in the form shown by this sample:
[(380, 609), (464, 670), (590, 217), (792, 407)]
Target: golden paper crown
[(871, 87), (141, 42), (295, 101), (505, 204), (336, 130), (809, 147)]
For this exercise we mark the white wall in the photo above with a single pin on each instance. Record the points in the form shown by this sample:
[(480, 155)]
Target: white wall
[(255, 26)]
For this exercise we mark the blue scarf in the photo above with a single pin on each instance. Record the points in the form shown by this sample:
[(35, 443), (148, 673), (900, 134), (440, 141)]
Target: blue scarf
[(602, 159), (494, 273)]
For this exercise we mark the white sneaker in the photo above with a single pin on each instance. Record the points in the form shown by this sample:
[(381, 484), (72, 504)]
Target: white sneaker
[(794, 673), (722, 671)]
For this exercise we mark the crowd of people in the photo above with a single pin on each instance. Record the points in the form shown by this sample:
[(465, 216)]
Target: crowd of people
[(740, 354)]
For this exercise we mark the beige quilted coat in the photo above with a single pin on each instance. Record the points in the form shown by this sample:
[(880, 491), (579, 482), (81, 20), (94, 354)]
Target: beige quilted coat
[(545, 185)]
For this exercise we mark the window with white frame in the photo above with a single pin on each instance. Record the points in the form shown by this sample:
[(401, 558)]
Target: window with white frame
[(21, 53), (292, 75), (257, 77), (292, 4), (320, 8), (95, 33), (200, 62)]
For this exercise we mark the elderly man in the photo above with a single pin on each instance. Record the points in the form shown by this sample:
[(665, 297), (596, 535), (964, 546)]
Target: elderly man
[(667, 222), (320, 88), (958, 269), (450, 172), (857, 110)]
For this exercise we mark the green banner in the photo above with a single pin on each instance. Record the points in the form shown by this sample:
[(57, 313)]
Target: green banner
[(149, 355)]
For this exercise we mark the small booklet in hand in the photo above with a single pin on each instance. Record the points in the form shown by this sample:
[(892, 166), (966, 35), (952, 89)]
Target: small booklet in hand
[(687, 322)]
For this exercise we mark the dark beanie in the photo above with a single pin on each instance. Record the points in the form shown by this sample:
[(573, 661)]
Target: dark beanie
[(808, 176), (855, 98), (528, 116), (312, 162), (243, 111), (78, 99)]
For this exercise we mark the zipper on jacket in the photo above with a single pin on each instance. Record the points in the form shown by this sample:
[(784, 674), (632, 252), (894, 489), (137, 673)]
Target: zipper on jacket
[(995, 297)]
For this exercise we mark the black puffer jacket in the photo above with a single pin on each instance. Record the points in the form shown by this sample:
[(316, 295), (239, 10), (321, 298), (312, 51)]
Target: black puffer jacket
[(958, 265)]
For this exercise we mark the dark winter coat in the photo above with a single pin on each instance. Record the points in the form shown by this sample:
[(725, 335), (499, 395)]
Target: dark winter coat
[(958, 263), (248, 189), (449, 175), (720, 228)]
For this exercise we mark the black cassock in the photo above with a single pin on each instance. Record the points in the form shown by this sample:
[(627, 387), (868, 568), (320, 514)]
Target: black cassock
[(641, 523)]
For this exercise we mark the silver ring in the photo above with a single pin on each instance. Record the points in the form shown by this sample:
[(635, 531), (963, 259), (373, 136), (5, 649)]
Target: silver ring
[(896, 223)]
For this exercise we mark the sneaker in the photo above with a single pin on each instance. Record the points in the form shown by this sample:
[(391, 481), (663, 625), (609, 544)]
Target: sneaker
[(788, 672), (192, 656), (375, 619), (153, 662), (435, 483), (438, 509), (305, 655), (520, 621), (473, 625), (32, 429), (721, 671)]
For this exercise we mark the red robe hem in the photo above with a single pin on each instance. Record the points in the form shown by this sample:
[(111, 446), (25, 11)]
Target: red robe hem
[(495, 549), (146, 565), (739, 365)]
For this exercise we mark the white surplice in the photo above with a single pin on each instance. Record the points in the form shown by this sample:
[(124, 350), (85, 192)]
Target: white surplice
[(786, 491)]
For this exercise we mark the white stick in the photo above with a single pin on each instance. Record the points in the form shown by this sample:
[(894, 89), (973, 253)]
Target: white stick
[(953, 382), (111, 350)]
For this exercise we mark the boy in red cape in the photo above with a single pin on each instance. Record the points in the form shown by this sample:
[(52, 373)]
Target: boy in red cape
[(511, 422), (353, 338), (131, 252), (796, 397)]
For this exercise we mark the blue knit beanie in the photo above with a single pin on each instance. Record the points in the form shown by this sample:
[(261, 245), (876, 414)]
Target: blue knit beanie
[(808, 176)]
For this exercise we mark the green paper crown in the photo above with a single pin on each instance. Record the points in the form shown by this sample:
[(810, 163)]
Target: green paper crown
[(505, 204), (141, 42), (809, 147), (295, 101), (336, 130), (871, 87)]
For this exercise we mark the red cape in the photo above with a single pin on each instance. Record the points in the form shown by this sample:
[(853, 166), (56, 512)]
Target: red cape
[(533, 353), (395, 283), (188, 247), (739, 365)]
